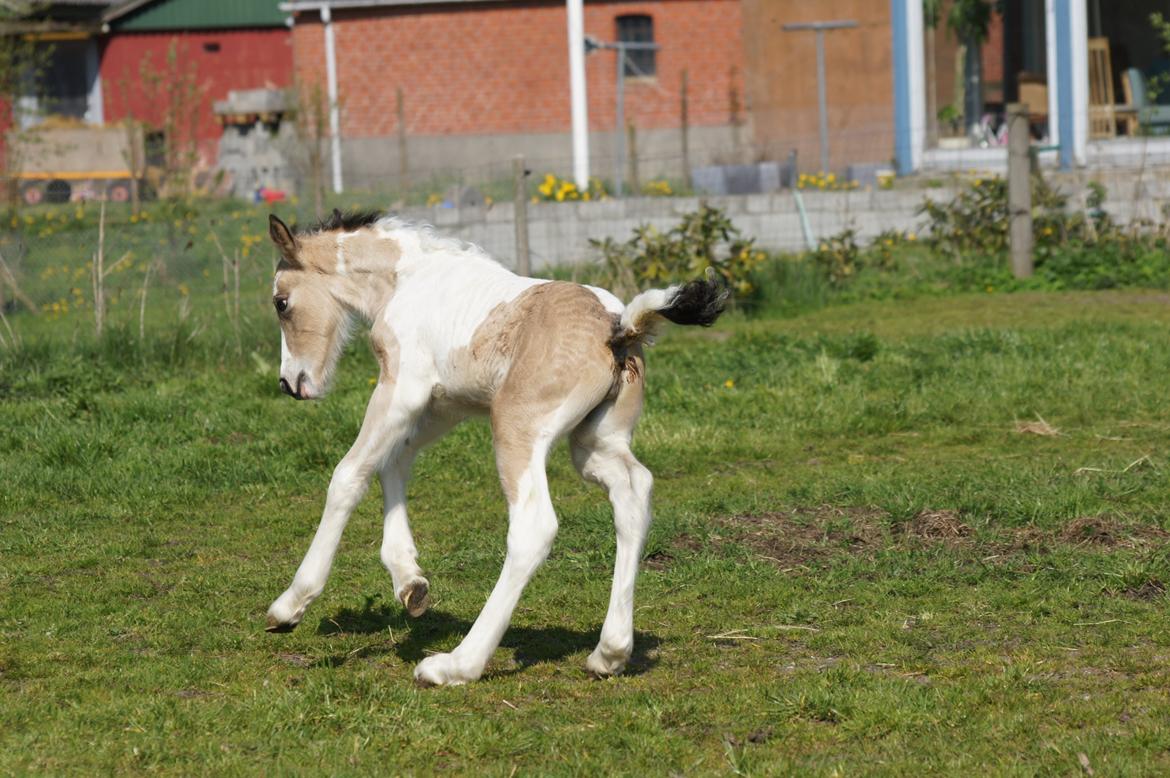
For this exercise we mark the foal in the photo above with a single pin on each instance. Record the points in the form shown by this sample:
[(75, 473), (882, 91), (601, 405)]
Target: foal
[(457, 334)]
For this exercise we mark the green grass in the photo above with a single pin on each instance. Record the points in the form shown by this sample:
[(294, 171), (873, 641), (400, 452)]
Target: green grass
[(859, 563)]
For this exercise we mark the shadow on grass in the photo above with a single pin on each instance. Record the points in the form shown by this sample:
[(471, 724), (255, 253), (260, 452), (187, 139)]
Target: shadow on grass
[(532, 645)]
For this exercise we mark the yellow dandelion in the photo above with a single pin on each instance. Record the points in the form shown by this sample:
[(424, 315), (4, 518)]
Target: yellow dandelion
[(729, 384)]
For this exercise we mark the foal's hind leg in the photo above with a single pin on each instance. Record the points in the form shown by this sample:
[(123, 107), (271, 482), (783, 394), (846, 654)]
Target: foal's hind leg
[(532, 525), (600, 447), (399, 554)]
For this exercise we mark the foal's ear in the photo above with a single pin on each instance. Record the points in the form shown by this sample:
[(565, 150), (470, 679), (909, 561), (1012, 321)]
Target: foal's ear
[(286, 242)]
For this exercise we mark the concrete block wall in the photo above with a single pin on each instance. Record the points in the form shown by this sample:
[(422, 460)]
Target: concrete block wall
[(559, 233)]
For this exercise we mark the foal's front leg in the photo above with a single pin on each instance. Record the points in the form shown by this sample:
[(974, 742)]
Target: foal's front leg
[(399, 554), (390, 420)]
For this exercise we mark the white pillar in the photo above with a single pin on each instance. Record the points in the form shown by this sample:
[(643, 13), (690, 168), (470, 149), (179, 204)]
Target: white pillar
[(577, 93), (1080, 63), (1051, 80), (916, 57), (909, 84), (334, 108), (94, 108)]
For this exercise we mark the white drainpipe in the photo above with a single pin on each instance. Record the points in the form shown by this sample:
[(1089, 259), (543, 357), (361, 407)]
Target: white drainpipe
[(334, 109)]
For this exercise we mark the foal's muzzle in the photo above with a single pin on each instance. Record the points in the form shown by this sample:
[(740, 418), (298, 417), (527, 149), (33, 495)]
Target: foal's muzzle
[(292, 391)]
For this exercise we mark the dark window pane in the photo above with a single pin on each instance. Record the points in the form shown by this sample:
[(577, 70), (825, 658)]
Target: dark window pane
[(637, 28)]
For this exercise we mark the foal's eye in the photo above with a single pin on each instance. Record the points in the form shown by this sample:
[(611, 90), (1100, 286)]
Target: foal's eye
[(281, 304)]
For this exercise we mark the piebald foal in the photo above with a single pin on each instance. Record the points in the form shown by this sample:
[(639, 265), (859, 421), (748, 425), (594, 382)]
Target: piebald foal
[(455, 334)]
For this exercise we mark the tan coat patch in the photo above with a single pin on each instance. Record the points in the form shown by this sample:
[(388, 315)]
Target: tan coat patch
[(548, 351)]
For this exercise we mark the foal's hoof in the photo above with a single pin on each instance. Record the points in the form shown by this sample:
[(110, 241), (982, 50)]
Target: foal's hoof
[(284, 615), (415, 597), (603, 664), (276, 625), (444, 670)]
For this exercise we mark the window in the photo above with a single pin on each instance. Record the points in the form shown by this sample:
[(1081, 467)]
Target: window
[(637, 28)]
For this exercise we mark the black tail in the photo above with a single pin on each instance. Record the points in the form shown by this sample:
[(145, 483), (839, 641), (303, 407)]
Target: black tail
[(697, 302)]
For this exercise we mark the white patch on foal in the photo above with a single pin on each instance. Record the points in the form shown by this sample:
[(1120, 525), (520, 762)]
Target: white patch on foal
[(458, 334)]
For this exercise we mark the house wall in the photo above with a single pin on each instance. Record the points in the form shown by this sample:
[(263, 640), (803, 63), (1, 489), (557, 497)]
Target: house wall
[(481, 82), (782, 80), (246, 59)]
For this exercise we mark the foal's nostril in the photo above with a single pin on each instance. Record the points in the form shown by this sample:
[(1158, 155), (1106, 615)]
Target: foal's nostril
[(284, 387)]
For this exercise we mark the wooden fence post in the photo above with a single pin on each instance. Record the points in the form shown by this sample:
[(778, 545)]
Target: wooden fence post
[(1020, 190), (632, 143), (400, 110), (520, 217), (685, 129)]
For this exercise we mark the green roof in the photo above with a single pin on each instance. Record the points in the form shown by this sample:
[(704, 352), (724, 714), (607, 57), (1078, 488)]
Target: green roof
[(138, 16)]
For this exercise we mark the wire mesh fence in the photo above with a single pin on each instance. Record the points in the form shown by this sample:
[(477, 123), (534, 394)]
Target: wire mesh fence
[(192, 263)]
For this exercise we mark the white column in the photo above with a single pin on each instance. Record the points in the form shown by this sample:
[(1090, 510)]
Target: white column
[(1080, 63), (334, 108), (577, 93), (94, 109), (907, 42), (1051, 80), (916, 60)]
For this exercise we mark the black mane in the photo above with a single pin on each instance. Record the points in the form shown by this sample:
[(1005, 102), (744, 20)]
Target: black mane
[(346, 222)]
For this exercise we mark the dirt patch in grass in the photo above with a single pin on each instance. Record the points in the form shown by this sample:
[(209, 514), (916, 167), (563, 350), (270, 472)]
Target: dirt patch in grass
[(1108, 532), (806, 537), (680, 545), (1145, 591), (944, 525)]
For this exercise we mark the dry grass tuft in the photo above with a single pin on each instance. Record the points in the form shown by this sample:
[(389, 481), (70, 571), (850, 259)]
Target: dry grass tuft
[(1038, 427), (938, 525)]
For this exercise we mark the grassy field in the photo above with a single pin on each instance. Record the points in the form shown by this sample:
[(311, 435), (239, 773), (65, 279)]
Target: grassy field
[(891, 537)]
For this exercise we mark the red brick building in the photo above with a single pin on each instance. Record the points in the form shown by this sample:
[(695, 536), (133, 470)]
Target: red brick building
[(483, 80)]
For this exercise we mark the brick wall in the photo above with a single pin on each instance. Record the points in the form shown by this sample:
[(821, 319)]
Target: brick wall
[(503, 68), (782, 80)]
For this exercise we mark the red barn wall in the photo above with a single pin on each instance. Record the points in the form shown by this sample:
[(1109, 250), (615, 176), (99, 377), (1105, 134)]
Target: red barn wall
[(246, 59)]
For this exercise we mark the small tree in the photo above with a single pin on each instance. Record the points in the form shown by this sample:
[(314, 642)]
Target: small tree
[(311, 112), (1160, 82), (22, 65), (168, 127)]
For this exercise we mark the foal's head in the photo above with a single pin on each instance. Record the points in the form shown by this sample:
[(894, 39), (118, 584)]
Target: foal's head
[(314, 322)]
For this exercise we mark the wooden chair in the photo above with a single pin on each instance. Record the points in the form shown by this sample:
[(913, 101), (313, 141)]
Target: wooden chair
[(1033, 92), (1102, 115), (1138, 111)]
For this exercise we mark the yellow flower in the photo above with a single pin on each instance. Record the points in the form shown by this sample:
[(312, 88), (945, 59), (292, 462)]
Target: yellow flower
[(729, 384), (184, 290), (911, 236)]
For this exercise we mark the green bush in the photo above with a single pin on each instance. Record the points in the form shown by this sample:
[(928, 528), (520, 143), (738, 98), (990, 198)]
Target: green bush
[(704, 239), (965, 246)]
